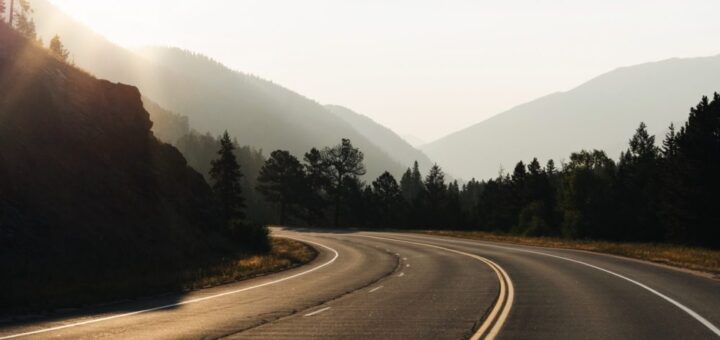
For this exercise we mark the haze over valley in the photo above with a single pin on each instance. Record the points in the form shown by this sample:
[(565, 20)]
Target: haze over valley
[(359, 170)]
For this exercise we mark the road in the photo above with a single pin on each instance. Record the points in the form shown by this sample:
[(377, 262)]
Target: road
[(372, 285)]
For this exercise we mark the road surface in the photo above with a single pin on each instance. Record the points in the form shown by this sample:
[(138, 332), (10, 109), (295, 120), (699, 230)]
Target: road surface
[(372, 285)]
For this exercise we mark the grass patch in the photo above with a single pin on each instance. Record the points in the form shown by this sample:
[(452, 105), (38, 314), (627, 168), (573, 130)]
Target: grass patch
[(285, 254), (699, 259)]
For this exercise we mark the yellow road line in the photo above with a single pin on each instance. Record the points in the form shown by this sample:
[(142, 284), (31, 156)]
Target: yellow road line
[(500, 311)]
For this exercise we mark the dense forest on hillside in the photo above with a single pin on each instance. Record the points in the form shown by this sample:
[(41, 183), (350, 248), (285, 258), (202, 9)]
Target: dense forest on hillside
[(654, 193)]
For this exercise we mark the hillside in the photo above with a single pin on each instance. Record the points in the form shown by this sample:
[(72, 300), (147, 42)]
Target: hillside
[(215, 98), (600, 114), (167, 126), (87, 193), (383, 137)]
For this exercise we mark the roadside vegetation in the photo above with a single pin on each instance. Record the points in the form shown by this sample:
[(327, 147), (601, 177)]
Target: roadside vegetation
[(284, 254), (694, 258), (37, 296)]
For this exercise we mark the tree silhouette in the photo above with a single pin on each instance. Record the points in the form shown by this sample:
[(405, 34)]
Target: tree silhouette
[(434, 196), (24, 24), (282, 181), (411, 183), (225, 173), (387, 198), (317, 182), (58, 49), (342, 161), (690, 201)]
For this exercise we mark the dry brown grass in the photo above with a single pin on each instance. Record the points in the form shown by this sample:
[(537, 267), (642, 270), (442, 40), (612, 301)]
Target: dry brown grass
[(285, 254), (699, 259)]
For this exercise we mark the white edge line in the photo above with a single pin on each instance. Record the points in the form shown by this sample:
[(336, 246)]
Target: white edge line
[(375, 289), (317, 311), (682, 307), (117, 316)]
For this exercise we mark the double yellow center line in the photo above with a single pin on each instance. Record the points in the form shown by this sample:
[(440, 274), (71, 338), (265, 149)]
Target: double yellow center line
[(492, 324)]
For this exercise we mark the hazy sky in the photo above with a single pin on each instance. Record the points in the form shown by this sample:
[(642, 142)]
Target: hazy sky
[(425, 68)]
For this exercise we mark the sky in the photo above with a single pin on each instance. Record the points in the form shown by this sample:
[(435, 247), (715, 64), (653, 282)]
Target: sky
[(422, 68)]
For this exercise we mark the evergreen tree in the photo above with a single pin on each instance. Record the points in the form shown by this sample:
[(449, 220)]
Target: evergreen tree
[(23, 20), (58, 49), (550, 168), (282, 181), (225, 173), (318, 182), (387, 198), (637, 192), (411, 183), (434, 195), (691, 201), (342, 161), (670, 145)]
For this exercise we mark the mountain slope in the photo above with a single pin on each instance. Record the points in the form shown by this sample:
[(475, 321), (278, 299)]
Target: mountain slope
[(87, 193), (597, 114), (255, 111), (383, 137)]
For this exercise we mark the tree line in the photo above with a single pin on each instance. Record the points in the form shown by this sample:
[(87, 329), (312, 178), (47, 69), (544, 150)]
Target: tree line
[(653, 193), (19, 17)]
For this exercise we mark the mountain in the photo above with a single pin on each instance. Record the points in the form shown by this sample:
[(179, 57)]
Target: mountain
[(597, 114), (167, 126), (215, 98), (383, 137), (413, 140), (84, 184)]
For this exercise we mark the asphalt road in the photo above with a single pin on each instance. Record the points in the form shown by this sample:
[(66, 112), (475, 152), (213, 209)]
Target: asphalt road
[(404, 286)]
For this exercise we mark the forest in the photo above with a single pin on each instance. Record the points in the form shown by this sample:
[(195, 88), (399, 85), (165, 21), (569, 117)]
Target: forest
[(656, 192)]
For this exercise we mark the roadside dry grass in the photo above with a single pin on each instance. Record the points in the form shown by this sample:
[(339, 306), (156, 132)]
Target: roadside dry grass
[(38, 297), (285, 254), (699, 259)]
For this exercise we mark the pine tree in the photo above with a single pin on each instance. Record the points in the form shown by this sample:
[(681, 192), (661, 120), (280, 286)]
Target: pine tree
[(23, 20), (317, 181), (692, 215), (411, 184), (637, 190), (434, 195), (225, 173), (58, 49), (342, 161), (670, 145), (550, 168), (642, 145), (281, 181), (388, 198)]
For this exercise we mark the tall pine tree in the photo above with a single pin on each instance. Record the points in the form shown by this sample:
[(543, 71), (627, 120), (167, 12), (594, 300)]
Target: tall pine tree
[(225, 173), (282, 181)]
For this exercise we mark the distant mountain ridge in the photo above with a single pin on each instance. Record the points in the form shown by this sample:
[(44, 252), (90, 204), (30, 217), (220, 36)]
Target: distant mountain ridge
[(383, 137), (215, 98), (601, 113)]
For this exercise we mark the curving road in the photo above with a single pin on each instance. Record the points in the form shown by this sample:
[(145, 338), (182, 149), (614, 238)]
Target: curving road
[(407, 286)]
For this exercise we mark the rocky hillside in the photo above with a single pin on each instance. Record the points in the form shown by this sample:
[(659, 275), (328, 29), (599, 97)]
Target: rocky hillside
[(84, 184)]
